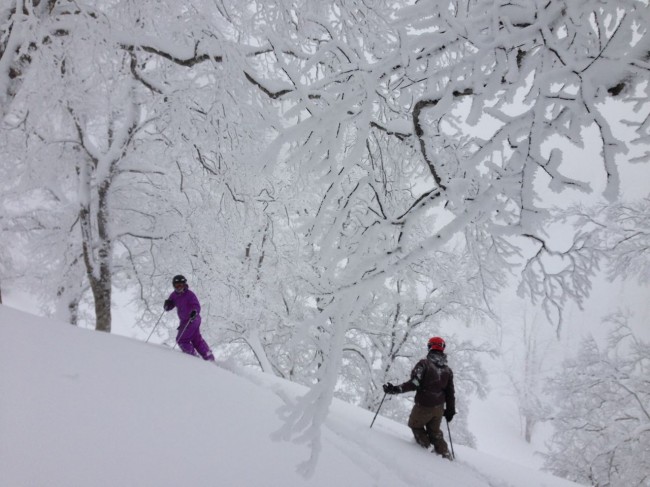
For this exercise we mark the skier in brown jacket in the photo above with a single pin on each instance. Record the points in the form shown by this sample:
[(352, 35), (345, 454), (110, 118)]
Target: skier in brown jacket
[(435, 398)]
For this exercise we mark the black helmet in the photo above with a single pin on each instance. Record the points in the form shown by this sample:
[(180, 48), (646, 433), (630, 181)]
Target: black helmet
[(179, 280)]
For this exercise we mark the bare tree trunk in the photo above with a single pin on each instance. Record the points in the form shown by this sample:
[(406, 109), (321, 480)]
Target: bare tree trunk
[(98, 268), (98, 264), (102, 296), (73, 310), (68, 305), (528, 429)]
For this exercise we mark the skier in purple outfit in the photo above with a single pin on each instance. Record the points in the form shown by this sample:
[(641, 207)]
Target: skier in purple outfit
[(187, 305)]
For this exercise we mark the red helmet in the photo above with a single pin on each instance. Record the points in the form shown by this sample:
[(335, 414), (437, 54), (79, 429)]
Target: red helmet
[(436, 343)]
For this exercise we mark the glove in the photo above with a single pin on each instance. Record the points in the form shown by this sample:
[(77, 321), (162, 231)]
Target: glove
[(193, 314), (449, 414), (391, 389), (169, 304)]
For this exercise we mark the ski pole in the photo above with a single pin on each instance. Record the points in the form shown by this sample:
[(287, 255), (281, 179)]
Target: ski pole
[(181, 333), (154, 326), (382, 402), (453, 455)]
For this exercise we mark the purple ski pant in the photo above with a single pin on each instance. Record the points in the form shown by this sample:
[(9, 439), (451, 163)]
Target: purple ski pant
[(190, 341)]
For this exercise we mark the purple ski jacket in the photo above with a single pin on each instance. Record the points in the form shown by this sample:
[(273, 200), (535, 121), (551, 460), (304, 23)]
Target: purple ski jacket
[(185, 302)]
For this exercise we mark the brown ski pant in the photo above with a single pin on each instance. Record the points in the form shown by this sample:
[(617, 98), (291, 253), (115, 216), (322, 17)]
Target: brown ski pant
[(425, 424)]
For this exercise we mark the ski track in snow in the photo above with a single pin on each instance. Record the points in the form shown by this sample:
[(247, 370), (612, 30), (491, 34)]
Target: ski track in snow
[(377, 461), (373, 459)]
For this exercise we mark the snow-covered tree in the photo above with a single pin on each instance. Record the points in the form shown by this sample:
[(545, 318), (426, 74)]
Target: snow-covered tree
[(132, 117), (602, 421), (528, 359), (431, 124), (81, 144), (618, 234), (300, 157)]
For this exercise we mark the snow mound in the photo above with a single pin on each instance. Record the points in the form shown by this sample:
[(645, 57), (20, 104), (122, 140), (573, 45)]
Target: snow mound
[(81, 408)]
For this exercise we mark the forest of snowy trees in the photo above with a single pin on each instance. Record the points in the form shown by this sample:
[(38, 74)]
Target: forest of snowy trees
[(340, 179)]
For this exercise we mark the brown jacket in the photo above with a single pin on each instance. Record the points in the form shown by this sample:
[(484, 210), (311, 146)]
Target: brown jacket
[(433, 380)]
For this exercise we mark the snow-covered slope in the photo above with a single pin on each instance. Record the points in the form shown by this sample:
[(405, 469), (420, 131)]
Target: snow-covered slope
[(80, 408)]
